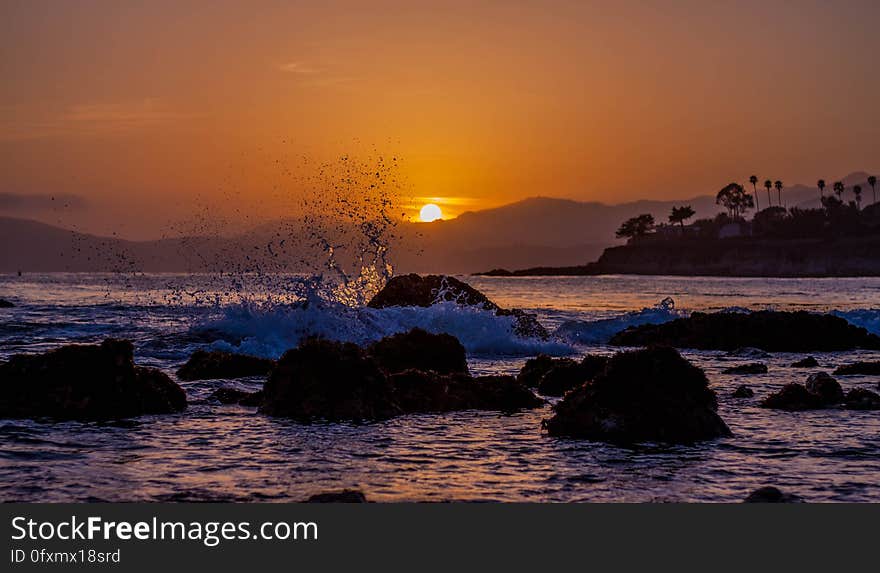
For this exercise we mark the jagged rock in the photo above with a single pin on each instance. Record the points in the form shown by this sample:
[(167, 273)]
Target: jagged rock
[(826, 387), (419, 391), (344, 496), (85, 382), (328, 380), (859, 368), (793, 397), (417, 349), (770, 494), (753, 368), (743, 391), (5, 303), (417, 290), (651, 394), (862, 399), (808, 362), (207, 365), (768, 330), (240, 397)]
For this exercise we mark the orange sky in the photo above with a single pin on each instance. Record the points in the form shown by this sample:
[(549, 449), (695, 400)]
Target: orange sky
[(147, 111)]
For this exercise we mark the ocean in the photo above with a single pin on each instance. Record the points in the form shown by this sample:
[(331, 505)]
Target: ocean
[(212, 452)]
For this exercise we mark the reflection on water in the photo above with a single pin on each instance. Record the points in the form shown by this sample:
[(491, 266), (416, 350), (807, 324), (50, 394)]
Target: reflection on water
[(212, 452)]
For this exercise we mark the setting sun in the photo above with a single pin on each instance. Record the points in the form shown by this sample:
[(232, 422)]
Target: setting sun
[(430, 212)]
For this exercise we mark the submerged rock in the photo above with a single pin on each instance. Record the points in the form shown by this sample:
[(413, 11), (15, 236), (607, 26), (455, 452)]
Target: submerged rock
[(651, 394), (808, 362), (344, 496), (748, 352), (417, 290), (859, 368), (825, 387), (424, 392), (770, 494), (768, 330), (208, 365), (85, 382), (753, 368), (743, 391), (421, 350), (862, 399), (239, 397), (328, 380), (5, 303)]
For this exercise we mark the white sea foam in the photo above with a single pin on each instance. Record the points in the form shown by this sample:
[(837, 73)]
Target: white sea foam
[(600, 331)]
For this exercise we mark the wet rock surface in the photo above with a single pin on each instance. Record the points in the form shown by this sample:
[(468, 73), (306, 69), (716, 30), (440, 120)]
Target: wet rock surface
[(208, 365), (652, 394), (424, 291), (771, 331), (770, 494), (753, 368), (6, 304), (238, 397), (859, 369), (862, 399), (342, 496), (808, 362), (420, 350), (85, 382), (743, 391)]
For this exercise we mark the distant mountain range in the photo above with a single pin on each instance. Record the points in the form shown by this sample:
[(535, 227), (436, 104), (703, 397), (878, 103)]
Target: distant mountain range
[(539, 231)]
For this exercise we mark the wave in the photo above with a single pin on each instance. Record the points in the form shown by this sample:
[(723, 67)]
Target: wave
[(600, 331), (269, 330), (868, 318)]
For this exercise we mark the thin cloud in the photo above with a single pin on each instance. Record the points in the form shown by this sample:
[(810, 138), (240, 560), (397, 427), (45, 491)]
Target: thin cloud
[(297, 68)]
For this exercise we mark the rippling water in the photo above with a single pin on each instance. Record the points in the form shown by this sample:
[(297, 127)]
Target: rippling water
[(213, 452)]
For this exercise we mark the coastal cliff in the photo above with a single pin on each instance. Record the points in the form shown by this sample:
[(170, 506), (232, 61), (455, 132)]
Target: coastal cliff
[(741, 256)]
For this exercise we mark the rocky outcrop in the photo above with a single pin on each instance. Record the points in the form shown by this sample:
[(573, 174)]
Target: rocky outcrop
[(556, 376), (534, 369), (862, 399), (651, 394), (808, 362), (825, 387), (85, 382), (237, 397), (743, 391), (322, 379), (338, 381), (420, 350), (5, 304), (753, 368), (859, 369), (209, 365), (768, 330), (343, 496), (770, 494), (417, 290)]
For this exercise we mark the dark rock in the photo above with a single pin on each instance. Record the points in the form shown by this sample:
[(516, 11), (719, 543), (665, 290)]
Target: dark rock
[(748, 352), (651, 394), (770, 494), (743, 391), (862, 399), (793, 397), (534, 369), (562, 378), (753, 368), (5, 304), (328, 380), (768, 330), (344, 496), (417, 290), (441, 353), (826, 387), (808, 362), (859, 368), (424, 392), (85, 382), (239, 397), (205, 365)]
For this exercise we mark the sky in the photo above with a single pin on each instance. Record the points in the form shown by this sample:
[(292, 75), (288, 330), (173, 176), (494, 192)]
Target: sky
[(122, 116)]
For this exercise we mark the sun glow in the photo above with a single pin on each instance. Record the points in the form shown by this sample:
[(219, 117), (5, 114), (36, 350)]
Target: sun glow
[(430, 212)]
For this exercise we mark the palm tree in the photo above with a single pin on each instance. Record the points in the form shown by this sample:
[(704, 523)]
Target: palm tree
[(857, 191), (821, 185), (754, 181), (872, 181), (778, 185), (838, 189), (769, 185)]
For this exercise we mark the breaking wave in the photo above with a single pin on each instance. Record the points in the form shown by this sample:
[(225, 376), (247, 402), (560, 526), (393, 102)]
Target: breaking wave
[(600, 331)]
